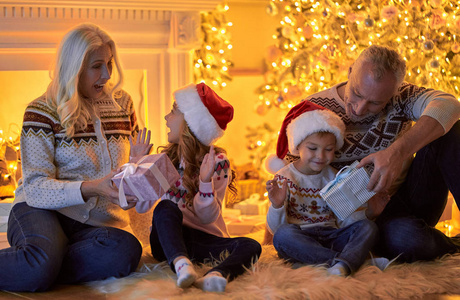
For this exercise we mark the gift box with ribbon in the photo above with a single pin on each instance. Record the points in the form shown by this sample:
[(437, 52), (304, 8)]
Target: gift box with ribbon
[(148, 179), (348, 191), (253, 206)]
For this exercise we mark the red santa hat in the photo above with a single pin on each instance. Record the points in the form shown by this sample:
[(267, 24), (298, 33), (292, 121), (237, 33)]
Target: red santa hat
[(206, 114), (301, 121)]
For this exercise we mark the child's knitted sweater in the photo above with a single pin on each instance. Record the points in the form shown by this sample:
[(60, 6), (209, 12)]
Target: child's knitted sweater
[(55, 166), (206, 212), (303, 205)]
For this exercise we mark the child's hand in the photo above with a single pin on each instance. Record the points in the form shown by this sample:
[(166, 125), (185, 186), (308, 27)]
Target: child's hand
[(275, 193), (141, 147), (208, 165), (376, 204)]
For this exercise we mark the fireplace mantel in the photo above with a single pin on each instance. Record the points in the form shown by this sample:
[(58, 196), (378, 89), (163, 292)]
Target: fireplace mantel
[(155, 36), (172, 5)]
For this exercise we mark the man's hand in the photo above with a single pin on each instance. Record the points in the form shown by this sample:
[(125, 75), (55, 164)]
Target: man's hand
[(388, 163), (376, 205), (276, 194), (387, 167)]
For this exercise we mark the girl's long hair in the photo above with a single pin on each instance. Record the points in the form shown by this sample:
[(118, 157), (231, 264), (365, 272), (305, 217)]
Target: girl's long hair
[(192, 152), (71, 60)]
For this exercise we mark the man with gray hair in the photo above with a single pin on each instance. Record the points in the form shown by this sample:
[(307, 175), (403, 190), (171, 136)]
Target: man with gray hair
[(388, 121)]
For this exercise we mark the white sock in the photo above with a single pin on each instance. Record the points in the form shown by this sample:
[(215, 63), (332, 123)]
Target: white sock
[(186, 274), (212, 282), (339, 269)]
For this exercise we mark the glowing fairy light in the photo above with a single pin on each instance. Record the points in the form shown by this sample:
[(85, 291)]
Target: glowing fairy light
[(211, 61), (318, 40)]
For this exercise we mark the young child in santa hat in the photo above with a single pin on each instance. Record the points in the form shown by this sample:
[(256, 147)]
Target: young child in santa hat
[(305, 229), (189, 226)]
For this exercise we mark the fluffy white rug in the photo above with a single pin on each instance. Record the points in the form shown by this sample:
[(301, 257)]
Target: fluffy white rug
[(270, 278)]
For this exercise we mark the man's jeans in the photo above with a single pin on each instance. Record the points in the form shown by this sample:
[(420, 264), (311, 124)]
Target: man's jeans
[(406, 226), (47, 248), (169, 239), (326, 245)]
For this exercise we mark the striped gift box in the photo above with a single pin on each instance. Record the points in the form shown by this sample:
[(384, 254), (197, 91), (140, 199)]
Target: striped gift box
[(5, 209), (347, 192)]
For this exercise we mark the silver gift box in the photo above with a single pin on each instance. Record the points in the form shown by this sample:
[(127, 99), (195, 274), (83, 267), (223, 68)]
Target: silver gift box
[(348, 191)]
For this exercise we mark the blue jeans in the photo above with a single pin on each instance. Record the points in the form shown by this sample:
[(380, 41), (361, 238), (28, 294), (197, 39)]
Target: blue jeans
[(169, 239), (48, 248), (326, 245), (406, 225)]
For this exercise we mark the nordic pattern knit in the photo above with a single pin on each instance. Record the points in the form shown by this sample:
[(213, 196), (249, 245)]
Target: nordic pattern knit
[(376, 133), (206, 212), (303, 205), (55, 166)]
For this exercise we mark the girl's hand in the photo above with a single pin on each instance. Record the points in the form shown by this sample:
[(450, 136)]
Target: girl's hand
[(276, 194), (208, 165), (105, 188), (141, 147)]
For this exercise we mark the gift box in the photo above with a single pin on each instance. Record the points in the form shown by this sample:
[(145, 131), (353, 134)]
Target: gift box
[(243, 224), (148, 179), (5, 209), (252, 206), (348, 191), (248, 187)]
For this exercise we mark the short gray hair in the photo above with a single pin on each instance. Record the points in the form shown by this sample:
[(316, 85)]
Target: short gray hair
[(384, 59)]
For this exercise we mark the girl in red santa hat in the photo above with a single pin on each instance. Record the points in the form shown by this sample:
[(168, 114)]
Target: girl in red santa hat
[(305, 229), (190, 227)]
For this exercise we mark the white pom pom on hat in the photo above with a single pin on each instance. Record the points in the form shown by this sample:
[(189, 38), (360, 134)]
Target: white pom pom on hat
[(273, 163), (301, 121)]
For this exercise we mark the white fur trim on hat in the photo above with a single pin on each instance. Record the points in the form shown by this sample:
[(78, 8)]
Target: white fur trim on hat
[(198, 118), (311, 122)]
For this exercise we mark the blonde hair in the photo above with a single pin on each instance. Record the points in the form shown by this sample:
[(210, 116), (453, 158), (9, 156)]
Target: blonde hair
[(384, 59), (191, 151), (71, 60)]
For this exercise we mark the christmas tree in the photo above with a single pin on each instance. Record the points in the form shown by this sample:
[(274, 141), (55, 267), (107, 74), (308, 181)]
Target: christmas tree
[(212, 59), (317, 41)]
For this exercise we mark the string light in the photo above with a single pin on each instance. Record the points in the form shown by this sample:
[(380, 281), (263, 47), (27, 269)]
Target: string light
[(212, 60), (323, 45), (321, 39), (9, 158)]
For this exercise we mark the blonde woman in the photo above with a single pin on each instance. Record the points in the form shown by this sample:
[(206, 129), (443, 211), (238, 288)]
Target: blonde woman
[(64, 220)]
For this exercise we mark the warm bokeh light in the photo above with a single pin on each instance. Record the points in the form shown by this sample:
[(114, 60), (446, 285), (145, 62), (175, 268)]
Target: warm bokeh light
[(10, 170), (212, 60), (317, 41)]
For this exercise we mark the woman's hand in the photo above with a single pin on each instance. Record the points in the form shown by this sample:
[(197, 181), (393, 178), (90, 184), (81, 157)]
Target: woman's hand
[(276, 194), (105, 188), (208, 165), (141, 147)]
